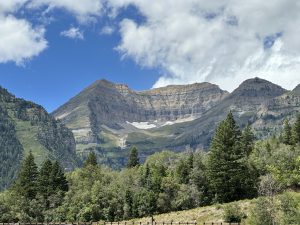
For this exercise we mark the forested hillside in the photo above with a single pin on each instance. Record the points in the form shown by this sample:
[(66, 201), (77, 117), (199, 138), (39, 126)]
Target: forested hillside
[(25, 127), (236, 167)]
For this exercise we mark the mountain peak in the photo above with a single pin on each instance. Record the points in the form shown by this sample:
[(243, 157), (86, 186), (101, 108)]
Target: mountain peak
[(297, 89), (108, 84), (257, 87)]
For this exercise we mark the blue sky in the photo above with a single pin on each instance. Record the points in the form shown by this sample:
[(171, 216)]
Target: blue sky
[(69, 65), (51, 49)]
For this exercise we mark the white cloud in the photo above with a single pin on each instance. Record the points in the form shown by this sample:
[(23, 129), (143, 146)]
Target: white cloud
[(84, 10), (107, 30), (224, 42), (19, 41), (10, 5), (73, 33)]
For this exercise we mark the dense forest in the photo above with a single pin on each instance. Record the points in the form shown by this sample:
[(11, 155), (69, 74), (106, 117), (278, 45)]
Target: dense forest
[(236, 167)]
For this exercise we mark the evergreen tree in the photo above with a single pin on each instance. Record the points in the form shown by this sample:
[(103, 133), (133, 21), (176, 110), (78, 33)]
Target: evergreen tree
[(296, 130), (184, 168), (57, 178), (128, 206), (227, 170), (133, 160), (247, 140), (91, 160), (26, 183), (287, 133), (44, 182)]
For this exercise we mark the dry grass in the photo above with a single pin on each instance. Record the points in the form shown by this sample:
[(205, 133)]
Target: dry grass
[(206, 214)]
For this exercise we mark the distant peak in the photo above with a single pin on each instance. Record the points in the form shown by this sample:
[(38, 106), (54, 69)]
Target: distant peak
[(258, 83), (103, 82), (257, 87), (297, 89), (108, 84), (257, 80)]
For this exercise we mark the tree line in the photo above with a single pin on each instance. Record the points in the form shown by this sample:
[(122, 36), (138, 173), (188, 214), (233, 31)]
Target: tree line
[(232, 170)]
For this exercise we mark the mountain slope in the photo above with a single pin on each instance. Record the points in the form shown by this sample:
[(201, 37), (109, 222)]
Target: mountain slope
[(110, 118), (246, 103), (24, 127), (104, 114)]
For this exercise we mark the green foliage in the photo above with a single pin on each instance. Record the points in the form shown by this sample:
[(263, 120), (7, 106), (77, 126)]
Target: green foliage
[(233, 213), (296, 130), (262, 213), (26, 184), (35, 194), (10, 150), (91, 160), (287, 133), (133, 158), (229, 175), (165, 182), (44, 182), (24, 127), (247, 140), (283, 210), (289, 207)]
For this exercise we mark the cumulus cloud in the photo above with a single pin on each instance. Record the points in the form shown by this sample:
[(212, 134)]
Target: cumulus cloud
[(84, 10), (19, 40), (223, 42), (73, 33), (10, 6)]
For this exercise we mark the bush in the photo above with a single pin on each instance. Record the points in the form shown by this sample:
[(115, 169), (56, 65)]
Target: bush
[(233, 213), (262, 212), (289, 207)]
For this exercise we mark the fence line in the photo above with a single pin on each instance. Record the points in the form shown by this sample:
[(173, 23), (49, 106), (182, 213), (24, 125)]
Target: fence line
[(121, 223), (222, 223)]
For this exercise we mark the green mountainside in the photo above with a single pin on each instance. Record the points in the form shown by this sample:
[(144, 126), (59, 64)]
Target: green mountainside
[(25, 127)]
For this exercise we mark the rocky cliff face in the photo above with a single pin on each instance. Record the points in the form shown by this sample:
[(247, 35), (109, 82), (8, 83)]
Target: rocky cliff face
[(104, 114), (24, 127), (116, 103), (250, 104), (109, 118)]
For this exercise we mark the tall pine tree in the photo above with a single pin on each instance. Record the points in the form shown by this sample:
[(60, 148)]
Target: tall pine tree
[(247, 140), (91, 160), (45, 188), (133, 160), (227, 169), (58, 179), (296, 130), (26, 184), (287, 133)]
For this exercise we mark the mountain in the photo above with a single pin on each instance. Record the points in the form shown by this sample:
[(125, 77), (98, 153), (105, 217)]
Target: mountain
[(25, 127), (104, 114), (297, 90), (110, 118)]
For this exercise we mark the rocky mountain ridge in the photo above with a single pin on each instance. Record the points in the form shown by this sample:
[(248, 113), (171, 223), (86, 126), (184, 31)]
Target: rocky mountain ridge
[(25, 127), (109, 118)]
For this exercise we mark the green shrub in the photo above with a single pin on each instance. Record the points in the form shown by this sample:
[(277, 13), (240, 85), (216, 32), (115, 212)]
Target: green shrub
[(233, 213)]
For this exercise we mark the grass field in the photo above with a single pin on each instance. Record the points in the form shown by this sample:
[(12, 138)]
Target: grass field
[(200, 215)]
